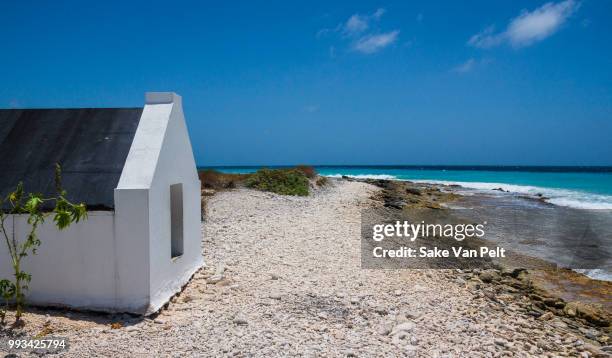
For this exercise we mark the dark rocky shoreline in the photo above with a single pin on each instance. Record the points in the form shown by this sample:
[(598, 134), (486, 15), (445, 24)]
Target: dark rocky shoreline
[(571, 301)]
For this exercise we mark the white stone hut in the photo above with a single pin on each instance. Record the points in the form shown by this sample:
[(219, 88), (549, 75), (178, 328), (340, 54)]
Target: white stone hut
[(135, 169)]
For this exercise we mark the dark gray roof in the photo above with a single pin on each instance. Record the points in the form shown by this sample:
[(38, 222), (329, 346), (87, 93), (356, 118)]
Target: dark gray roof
[(91, 145)]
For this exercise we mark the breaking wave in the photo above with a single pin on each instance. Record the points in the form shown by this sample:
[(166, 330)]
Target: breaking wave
[(365, 176), (561, 197)]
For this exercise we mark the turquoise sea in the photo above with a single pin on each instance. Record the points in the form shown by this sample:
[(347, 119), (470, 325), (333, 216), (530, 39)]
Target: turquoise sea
[(576, 187)]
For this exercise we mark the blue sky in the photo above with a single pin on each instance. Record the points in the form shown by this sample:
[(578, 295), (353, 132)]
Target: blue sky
[(359, 82)]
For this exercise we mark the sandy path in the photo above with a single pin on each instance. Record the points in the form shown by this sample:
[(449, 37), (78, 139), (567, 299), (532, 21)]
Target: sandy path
[(293, 286)]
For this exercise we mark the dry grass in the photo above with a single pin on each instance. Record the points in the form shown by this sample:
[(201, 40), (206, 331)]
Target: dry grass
[(212, 179), (309, 171), (322, 181)]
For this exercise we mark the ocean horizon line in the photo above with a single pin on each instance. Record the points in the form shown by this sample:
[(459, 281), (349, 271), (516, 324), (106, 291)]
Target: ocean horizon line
[(462, 167)]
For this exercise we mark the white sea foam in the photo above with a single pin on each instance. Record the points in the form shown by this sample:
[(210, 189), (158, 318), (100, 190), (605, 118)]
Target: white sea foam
[(561, 197), (597, 274), (365, 176)]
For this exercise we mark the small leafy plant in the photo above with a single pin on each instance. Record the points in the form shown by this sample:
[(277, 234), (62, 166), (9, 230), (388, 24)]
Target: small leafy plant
[(7, 291), (35, 208)]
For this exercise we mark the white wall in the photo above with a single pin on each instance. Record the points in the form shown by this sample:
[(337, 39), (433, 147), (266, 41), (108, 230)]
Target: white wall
[(161, 155), (175, 164), (132, 229), (132, 250), (73, 267)]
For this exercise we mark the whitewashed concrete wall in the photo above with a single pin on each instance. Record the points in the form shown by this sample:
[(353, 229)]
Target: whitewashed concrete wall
[(175, 164), (132, 207), (160, 156), (73, 267), (132, 250)]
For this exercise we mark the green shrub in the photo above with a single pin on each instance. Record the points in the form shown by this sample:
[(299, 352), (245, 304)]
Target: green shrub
[(280, 181)]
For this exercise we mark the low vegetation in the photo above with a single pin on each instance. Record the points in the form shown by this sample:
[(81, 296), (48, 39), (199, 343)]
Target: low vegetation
[(307, 170), (322, 181), (280, 181), (284, 181), (212, 179)]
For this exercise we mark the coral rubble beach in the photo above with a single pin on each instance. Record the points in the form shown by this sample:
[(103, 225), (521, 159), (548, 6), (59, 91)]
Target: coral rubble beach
[(284, 278)]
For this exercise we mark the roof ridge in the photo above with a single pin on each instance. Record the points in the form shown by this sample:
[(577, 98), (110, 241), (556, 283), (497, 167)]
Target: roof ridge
[(65, 108)]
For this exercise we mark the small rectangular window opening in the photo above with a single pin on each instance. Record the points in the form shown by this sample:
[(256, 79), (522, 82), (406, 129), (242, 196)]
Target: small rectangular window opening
[(176, 220)]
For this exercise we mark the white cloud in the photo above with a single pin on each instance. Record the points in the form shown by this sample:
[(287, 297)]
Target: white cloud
[(362, 34), (357, 23), (529, 27), (486, 38), (471, 64), (378, 13), (374, 43), (535, 26), (465, 67)]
